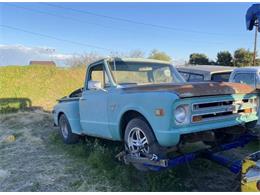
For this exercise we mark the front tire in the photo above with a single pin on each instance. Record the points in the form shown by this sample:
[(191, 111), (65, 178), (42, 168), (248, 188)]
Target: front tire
[(65, 131), (140, 140)]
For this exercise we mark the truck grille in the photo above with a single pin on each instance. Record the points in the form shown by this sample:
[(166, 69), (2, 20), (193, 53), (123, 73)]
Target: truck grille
[(205, 111)]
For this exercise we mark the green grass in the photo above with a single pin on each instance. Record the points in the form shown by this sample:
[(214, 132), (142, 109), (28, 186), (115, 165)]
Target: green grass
[(39, 85), (100, 156)]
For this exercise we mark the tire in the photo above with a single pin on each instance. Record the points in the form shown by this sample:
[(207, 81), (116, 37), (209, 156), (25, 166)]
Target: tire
[(65, 131), (135, 127)]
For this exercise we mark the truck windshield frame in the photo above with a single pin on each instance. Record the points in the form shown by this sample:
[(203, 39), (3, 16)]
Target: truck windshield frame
[(134, 73)]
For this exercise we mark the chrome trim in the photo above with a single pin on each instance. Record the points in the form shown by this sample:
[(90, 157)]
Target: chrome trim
[(221, 117), (211, 113), (216, 118), (214, 107), (233, 108), (207, 102)]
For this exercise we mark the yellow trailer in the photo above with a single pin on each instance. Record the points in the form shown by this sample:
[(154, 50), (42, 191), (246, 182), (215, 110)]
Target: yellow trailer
[(250, 173)]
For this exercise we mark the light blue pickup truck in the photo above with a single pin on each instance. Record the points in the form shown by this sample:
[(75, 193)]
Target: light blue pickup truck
[(148, 105)]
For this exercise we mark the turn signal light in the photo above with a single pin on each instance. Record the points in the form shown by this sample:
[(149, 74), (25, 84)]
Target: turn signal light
[(248, 110), (159, 112), (196, 118)]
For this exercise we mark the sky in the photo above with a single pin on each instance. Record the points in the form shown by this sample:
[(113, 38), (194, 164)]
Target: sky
[(59, 31)]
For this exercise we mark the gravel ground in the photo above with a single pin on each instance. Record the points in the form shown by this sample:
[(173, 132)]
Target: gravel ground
[(32, 158)]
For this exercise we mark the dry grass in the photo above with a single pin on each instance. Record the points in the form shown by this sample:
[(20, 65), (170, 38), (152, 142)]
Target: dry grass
[(38, 161), (33, 162)]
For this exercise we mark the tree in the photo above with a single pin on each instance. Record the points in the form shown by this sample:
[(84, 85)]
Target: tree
[(198, 58), (136, 54), (212, 62), (224, 58), (243, 57), (257, 62), (159, 55), (83, 60), (132, 54)]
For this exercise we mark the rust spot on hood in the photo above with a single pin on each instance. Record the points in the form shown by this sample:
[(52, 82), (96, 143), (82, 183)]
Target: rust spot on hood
[(194, 89)]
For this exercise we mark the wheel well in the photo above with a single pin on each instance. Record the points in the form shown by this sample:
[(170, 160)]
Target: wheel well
[(59, 115), (127, 116)]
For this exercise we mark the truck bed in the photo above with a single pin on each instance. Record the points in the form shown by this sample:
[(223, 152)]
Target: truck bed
[(74, 96), (70, 106)]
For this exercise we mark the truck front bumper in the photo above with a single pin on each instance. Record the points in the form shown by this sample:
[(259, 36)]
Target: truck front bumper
[(172, 137)]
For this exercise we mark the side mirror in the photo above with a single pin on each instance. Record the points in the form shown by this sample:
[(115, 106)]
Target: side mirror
[(94, 85)]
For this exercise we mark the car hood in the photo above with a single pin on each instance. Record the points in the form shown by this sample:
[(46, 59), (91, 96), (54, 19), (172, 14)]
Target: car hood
[(184, 90)]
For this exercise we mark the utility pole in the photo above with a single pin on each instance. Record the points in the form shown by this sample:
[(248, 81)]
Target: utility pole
[(255, 44)]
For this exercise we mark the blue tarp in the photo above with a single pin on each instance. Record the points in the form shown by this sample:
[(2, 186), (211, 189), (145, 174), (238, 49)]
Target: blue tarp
[(253, 14)]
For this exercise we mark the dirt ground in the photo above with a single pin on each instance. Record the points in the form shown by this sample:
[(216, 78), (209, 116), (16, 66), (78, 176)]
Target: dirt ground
[(33, 158)]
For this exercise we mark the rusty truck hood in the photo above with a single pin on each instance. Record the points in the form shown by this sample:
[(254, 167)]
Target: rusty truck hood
[(184, 90)]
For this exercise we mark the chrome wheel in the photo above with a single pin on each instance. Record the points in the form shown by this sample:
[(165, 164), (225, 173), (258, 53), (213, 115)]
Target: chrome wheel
[(137, 142), (64, 130)]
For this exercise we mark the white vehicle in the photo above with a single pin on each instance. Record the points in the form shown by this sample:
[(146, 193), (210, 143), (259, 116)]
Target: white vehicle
[(198, 73), (246, 75)]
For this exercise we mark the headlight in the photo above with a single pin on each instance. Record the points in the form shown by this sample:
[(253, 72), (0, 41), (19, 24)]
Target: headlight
[(181, 114), (257, 104)]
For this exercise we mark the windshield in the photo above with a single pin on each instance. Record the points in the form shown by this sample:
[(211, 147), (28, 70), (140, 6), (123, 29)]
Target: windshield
[(125, 73)]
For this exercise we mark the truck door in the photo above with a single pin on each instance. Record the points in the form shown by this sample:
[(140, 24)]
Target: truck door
[(93, 104)]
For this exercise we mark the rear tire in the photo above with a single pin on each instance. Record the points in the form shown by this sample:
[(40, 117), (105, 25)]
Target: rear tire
[(65, 131), (139, 139)]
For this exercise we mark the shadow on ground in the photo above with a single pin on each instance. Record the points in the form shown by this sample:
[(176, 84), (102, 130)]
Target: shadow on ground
[(9, 105)]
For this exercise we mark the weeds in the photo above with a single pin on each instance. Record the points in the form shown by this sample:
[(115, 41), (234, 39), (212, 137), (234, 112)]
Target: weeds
[(99, 155), (39, 161)]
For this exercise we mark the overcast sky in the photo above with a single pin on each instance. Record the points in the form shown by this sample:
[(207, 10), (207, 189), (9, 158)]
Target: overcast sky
[(57, 31)]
